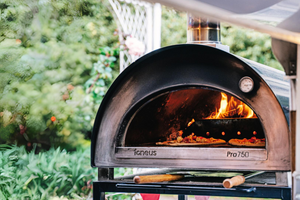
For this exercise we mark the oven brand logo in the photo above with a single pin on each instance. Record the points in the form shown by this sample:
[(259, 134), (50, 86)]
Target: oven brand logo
[(144, 153)]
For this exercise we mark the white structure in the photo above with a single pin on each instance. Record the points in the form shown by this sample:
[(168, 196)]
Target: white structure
[(141, 20)]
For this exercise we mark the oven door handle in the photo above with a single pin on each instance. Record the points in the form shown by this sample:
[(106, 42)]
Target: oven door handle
[(154, 186)]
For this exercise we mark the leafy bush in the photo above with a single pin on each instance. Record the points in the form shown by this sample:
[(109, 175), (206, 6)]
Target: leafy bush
[(47, 50), (54, 173), (39, 176), (242, 42), (101, 74), (250, 44), (173, 27)]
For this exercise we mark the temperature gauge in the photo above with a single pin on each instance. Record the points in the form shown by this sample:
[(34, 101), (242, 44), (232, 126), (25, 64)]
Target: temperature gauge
[(246, 84)]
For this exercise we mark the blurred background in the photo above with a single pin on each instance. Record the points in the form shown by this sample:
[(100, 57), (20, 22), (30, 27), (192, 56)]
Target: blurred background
[(57, 60)]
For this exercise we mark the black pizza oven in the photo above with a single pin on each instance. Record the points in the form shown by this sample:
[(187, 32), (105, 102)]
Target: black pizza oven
[(180, 88), (184, 107)]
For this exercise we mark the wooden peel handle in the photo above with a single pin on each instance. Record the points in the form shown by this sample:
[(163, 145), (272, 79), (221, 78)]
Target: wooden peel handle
[(157, 178), (234, 181)]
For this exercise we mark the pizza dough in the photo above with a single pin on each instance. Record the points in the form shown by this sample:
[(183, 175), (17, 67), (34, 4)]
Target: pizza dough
[(192, 140), (253, 142)]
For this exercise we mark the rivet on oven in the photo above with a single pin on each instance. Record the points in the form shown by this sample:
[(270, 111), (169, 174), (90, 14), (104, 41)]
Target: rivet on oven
[(254, 132), (239, 132), (223, 133)]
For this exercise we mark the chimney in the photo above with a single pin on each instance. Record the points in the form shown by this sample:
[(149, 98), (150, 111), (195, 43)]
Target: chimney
[(205, 32)]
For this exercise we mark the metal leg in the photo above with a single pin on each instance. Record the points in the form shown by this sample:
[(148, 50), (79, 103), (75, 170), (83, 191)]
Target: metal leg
[(182, 197), (96, 192), (103, 174)]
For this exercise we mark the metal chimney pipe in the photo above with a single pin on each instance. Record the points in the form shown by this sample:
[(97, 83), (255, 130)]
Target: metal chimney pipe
[(203, 31)]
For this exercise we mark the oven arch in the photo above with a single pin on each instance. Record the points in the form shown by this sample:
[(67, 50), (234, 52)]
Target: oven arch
[(182, 65)]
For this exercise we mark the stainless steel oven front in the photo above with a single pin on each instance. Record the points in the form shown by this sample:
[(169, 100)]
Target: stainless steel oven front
[(194, 91)]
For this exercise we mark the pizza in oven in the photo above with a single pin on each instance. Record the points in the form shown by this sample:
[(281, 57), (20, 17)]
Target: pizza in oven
[(192, 140), (252, 142)]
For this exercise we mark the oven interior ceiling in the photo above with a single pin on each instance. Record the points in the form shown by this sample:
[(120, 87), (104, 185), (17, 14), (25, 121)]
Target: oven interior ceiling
[(192, 112)]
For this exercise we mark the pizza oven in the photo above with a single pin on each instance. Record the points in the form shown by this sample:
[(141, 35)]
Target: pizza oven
[(195, 109), (197, 91)]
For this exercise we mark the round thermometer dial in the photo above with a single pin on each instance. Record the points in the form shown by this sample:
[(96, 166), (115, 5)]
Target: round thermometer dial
[(246, 84)]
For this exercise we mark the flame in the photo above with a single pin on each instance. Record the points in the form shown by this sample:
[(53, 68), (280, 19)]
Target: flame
[(191, 122), (232, 108), (223, 105)]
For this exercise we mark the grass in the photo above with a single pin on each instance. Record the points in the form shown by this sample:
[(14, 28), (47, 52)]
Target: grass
[(26, 175)]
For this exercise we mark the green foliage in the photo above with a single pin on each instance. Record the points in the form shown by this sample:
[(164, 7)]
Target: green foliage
[(123, 171), (39, 176), (173, 27), (47, 50), (101, 74), (44, 175), (242, 42), (250, 44), (119, 196)]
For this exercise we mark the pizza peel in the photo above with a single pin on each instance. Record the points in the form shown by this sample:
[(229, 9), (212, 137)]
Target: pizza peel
[(173, 176), (238, 180)]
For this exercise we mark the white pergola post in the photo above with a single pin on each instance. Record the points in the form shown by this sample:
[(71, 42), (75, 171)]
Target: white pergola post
[(156, 26), (149, 35), (141, 20)]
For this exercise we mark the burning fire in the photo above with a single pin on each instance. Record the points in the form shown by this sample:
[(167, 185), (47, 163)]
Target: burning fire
[(232, 108), (191, 122)]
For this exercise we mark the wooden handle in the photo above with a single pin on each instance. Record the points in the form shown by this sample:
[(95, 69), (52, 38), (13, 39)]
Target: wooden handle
[(234, 181), (157, 178)]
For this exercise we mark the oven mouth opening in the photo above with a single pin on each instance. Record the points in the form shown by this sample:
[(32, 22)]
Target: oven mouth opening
[(192, 117)]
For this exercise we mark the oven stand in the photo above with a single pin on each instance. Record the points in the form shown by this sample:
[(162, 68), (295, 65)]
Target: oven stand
[(106, 183), (100, 187)]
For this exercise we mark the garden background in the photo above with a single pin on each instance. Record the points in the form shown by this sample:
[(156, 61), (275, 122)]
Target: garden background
[(57, 60)]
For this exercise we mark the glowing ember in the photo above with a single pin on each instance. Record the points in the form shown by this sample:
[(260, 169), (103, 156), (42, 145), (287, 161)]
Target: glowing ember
[(180, 133), (239, 132), (191, 122), (223, 133), (231, 109), (207, 133), (254, 133)]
